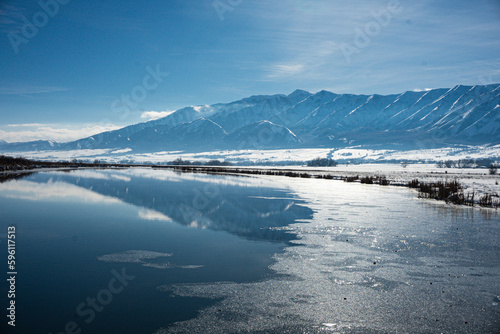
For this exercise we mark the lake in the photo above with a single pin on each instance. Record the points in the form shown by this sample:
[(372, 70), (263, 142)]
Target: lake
[(156, 251)]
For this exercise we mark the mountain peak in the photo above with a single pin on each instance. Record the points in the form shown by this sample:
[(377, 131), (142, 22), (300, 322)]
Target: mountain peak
[(298, 96), (324, 94), (299, 92)]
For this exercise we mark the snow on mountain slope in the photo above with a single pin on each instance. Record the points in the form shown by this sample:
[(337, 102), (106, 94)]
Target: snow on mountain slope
[(180, 137), (252, 110), (440, 117), (298, 96), (349, 112), (292, 115), (260, 135)]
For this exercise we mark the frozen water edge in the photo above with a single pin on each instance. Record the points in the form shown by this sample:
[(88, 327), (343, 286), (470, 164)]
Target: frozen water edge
[(473, 179), (372, 260)]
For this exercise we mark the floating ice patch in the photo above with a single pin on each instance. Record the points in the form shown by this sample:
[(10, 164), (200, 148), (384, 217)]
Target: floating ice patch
[(165, 265), (144, 258), (140, 257), (132, 256), (191, 266)]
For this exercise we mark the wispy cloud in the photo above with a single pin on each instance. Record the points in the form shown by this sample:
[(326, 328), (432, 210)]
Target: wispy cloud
[(26, 125), (284, 70), (10, 18), (30, 90), (304, 43), (59, 133), (152, 115), (306, 37)]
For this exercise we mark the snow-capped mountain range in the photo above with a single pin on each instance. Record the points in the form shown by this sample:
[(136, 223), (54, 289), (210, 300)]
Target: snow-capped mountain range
[(435, 118)]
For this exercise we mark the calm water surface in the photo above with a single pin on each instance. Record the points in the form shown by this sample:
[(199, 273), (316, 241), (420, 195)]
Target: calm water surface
[(74, 228), (214, 253)]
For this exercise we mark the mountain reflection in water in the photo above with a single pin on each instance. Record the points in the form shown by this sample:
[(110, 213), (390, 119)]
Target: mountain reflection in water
[(243, 206)]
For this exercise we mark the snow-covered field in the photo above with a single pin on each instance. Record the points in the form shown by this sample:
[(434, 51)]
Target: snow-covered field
[(351, 154), (473, 179)]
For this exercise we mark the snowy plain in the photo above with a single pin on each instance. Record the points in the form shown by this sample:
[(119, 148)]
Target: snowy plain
[(350, 154)]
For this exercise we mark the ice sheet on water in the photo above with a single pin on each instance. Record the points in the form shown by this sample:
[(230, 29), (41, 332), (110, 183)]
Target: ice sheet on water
[(364, 269)]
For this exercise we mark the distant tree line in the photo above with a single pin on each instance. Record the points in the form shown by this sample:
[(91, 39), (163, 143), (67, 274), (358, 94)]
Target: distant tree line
[(493, 169), (19, 163), (5, 160), (180, 162), (322, 162), (465, 163)]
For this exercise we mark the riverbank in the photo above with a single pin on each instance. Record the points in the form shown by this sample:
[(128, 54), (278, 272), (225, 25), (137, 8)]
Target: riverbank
[(471, 186)]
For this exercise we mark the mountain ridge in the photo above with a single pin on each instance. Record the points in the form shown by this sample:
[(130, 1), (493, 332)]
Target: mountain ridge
[(445, 116)]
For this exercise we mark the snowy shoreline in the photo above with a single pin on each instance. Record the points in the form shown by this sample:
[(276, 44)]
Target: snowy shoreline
[(473, 180)]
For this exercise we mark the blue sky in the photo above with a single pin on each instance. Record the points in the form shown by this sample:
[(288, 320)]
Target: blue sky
[(69, 79)]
